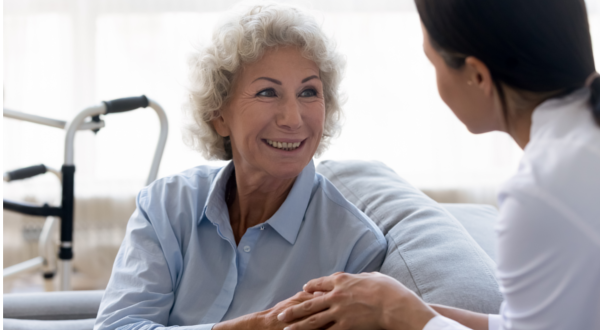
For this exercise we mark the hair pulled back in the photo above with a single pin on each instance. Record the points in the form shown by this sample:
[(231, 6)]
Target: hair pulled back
[(533, 45)]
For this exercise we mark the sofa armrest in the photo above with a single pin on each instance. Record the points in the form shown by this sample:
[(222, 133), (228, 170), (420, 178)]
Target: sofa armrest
[(64, 305), (19, 324)]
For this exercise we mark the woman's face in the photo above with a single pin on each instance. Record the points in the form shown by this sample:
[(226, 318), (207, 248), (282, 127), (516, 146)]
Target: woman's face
[(468, 91), (276, 114)]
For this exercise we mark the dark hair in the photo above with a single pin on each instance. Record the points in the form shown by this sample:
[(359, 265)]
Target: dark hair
[(531, 45)]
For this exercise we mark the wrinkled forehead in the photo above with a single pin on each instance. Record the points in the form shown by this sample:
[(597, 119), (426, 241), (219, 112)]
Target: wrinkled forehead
[(285, 64)]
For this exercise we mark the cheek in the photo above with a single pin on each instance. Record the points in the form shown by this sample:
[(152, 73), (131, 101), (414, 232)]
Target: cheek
[(245, 123), (445, 87), (453, 93), (316, 117)]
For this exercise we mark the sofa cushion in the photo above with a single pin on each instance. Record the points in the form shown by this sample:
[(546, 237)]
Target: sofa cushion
[(479, 221), (429, 251)]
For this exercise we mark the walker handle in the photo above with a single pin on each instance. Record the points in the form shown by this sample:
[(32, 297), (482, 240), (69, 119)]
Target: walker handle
[(24, 173), (126, 104)]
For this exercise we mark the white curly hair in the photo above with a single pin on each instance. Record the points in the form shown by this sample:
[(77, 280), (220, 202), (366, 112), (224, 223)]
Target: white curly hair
[(241, 39)]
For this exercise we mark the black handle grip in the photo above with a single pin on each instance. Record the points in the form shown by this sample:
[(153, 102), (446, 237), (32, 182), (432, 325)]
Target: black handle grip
[(27, 172), (126, 104), (30, 209)]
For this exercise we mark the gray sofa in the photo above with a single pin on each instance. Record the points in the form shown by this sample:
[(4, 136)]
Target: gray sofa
[(443, 252)]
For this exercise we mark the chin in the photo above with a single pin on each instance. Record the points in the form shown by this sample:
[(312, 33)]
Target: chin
[(480, 128), (477, 130)]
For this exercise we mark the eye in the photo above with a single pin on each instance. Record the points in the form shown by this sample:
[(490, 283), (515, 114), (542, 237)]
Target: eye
[(269, 92), (308, 93)]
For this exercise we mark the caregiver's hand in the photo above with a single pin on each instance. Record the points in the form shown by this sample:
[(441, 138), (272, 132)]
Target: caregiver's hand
[(267, 319), (363, 301)]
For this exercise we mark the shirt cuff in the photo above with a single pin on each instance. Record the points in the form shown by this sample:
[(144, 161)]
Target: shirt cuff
[(494, 322), (442, 323)]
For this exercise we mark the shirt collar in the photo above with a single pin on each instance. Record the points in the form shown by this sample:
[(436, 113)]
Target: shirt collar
[(288, 218), (554, 109), (215, 207)]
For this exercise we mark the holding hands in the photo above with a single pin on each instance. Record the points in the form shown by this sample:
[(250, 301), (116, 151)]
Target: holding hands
[(362, 301), (267, 319)]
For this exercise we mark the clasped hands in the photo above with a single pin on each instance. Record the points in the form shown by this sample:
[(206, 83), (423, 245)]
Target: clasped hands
[(362, 301), (341, 302)]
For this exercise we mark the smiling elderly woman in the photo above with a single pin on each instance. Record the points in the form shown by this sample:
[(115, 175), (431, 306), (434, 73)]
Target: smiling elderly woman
[(227, 248)]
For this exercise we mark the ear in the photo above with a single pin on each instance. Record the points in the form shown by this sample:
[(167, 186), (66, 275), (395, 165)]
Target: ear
[(478, 75), (221, 126)]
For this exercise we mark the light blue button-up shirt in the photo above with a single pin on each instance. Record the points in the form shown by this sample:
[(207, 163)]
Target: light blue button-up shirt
[(179, 264)]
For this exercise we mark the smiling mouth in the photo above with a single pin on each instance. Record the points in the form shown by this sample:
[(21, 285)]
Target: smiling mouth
[(287, 146)]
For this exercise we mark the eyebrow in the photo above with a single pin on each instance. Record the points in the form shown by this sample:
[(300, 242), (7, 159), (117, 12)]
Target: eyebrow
[(275, 81), (309, 78)]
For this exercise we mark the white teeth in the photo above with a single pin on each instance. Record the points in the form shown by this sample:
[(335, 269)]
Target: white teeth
[(284, 145)]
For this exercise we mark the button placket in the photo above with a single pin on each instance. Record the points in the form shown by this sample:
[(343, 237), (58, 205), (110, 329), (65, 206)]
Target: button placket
[(245, 247), (225, 297)]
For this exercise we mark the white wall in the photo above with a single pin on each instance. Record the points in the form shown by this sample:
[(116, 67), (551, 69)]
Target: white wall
[(60, 56)]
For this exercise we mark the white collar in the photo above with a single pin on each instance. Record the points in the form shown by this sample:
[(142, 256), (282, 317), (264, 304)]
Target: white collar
[(554, 111)]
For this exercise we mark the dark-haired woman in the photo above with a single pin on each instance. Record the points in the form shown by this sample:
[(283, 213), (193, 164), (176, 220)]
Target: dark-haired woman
[(525, 68)]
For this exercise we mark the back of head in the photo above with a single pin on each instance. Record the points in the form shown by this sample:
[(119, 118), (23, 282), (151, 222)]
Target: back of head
[(533, 45)]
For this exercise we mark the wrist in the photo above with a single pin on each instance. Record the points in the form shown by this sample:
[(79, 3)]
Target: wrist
[(394, 313), (246, 322), (258, 320), (422, 317)]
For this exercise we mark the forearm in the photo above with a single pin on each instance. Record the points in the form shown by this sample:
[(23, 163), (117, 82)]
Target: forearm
[(240, 323), (403, 309), (475, 321), (148, 325), (227, 325)]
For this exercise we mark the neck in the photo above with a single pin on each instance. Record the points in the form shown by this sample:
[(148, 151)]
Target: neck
[(520, 106), (520, 128), (254, 198)]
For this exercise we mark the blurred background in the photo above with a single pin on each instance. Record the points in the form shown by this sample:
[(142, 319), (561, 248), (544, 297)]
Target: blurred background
[(61, 56)]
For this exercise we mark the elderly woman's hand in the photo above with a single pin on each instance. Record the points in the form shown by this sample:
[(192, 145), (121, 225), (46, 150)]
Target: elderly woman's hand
[(363, 301), (265, 320)]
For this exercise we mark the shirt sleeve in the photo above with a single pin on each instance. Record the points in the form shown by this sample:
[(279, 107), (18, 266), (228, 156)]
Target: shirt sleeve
[(140, 293), (368, 253), (443, 323), (494, 322)]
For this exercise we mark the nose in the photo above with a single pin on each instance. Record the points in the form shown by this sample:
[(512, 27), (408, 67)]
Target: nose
[(289, 116)]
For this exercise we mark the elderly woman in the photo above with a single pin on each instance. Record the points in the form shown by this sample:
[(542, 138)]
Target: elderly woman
[(227, 248)]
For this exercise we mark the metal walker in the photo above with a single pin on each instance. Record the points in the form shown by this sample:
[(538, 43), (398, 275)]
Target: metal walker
[(47, 260)]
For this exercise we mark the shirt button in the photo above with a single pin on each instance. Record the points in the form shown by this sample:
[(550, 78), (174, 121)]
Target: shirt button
[(247, 248)]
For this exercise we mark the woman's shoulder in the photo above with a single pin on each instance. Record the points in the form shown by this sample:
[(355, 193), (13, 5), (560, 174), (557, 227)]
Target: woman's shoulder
[(561, 173), (193, 180), (173, 204), (328, 200), (186, 190), (563, 154)]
